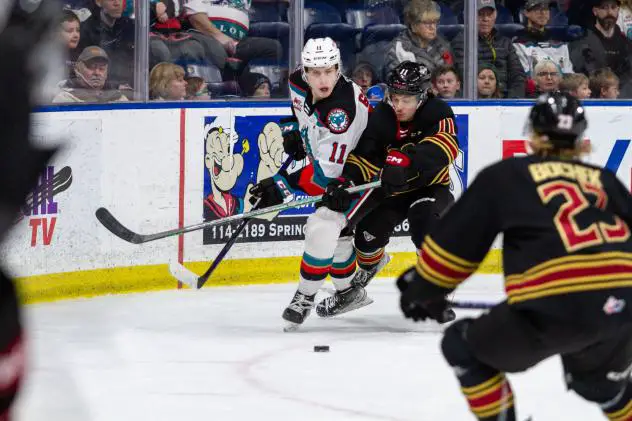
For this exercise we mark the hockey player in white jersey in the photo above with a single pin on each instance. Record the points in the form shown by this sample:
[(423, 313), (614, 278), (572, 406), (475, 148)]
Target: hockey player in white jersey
[(330, 113)]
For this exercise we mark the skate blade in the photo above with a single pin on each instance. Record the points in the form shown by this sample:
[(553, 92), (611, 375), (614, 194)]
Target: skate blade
[(291, 327), (368, 300)]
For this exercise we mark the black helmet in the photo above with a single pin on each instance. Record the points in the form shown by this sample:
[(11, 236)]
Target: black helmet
[(409, 78), (561, 117)]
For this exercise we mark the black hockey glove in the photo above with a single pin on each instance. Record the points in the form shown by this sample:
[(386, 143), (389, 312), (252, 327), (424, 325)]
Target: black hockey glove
[(417, 303), (397, 172), (292, 141), (272, 191), (336, 197)]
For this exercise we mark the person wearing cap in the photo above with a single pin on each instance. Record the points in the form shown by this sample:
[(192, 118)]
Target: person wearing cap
[(255, 85), (487, 82), (89, 82), (111, 30), (493, 48), (536, 43), (420, 42), (605, 45)]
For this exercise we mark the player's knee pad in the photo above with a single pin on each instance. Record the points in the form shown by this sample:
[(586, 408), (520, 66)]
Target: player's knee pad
[(607, 393), (422, 215), (368, 239), (321, 232), (454, 347)]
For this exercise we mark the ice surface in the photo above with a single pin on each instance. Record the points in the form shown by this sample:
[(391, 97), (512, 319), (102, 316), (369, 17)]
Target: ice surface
[(221, 354)]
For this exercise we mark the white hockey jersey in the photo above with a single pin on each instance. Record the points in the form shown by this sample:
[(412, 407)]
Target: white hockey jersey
[(330, 129)]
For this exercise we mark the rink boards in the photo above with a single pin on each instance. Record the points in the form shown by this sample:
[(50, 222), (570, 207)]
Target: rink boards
[(160, 166)]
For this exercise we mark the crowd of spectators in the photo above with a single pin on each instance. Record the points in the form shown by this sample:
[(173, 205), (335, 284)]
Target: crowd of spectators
[(208, 49)]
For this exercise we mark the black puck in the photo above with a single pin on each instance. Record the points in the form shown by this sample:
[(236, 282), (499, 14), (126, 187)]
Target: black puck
[(321, 348)]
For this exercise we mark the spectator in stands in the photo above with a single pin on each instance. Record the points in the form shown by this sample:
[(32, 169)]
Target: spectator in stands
[(624, 21), (70, 32), (113, 32), (493, 48), (89, 82), (536, 43), (546, 79), (576, 84), (167, 41), (364, 75), (604, 84), (487, 82), (222, 28), (446, 83), (197, 89), (255, 85), (166, 82), (420, 42), (605, 46)]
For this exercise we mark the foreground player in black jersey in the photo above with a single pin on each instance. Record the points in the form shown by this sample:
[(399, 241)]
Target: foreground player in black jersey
[(28, 44), (410, 142), (568, 268)]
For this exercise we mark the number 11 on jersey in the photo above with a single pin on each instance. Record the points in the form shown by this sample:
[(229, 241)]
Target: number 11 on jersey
[(341, 157)]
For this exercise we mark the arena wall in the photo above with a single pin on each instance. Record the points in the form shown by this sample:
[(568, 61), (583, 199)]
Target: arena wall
[(148, 164)]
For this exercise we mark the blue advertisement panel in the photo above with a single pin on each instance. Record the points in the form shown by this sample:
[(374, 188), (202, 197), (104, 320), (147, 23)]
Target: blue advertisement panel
[(246, 150)]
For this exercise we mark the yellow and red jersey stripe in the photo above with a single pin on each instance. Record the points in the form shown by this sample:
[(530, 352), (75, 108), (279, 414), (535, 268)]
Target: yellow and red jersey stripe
[(440, 267), (490, 398), (624, 414), (569, 274)]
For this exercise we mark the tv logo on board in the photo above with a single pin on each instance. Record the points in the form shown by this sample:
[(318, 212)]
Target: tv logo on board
[(41, 206)]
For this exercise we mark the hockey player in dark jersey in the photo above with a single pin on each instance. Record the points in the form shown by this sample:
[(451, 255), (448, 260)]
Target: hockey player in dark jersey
[(567, 254), (330, 113), (409, 143), (28, 35)]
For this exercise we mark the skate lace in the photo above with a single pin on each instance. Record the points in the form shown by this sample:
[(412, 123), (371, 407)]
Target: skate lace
[(301, 303)]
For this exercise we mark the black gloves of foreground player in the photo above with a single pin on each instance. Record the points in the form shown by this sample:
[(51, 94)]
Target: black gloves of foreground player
[(397, 172), (418, 302), (272, 191), (336, 197), (292, 141)]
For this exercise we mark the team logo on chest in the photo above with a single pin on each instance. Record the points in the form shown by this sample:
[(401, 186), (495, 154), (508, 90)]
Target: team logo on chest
[(338, 120)]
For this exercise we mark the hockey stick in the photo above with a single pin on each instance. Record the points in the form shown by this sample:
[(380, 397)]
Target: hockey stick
[(471, 305), (189, 278), (115, 227)]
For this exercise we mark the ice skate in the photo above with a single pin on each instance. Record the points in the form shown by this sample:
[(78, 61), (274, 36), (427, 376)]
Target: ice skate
[(298, 310), (363, 277), (343, 301)]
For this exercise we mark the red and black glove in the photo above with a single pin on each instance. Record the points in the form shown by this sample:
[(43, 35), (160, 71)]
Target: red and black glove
[(419, 301), (397, 172), (336, 197)]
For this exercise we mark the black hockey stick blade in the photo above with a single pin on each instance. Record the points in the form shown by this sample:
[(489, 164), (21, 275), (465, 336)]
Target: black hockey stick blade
[(108, 220)]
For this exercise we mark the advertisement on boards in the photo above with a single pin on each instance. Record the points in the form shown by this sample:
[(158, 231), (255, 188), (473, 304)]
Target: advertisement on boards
[(240, 151)]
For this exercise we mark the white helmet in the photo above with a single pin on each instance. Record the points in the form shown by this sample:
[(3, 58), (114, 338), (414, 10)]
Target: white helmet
[(320, 52)]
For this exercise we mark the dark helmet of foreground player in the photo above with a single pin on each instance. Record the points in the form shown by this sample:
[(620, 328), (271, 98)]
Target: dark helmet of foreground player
[(560, 117), (409, 78)]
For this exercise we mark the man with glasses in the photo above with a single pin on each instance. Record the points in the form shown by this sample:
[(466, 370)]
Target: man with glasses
[(605, 46), (536, 43), (493, 48)]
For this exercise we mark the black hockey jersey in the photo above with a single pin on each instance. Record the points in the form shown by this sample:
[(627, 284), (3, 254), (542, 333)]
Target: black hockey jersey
[(330, 129), (432, 134), (566, 236)]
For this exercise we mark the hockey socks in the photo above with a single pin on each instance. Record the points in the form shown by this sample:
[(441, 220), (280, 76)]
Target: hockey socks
[(621, 408), (369, 260), (488, 395)]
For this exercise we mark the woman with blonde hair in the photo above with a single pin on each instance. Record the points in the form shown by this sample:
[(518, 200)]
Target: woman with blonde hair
[(166, 82), (625, 18), (420, 42)]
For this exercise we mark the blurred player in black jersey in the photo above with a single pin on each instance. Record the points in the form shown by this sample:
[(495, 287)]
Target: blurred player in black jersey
[(567, 256), (28, 42), (410, 143)]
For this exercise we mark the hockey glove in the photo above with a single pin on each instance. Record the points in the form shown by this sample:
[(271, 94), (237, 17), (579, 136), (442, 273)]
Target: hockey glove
[(272, 191), (418, 304), (336, 197), (397, 172), (292, 141)]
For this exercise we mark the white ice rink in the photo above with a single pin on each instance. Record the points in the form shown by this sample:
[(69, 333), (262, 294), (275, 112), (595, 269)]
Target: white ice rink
[(220, 354)]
